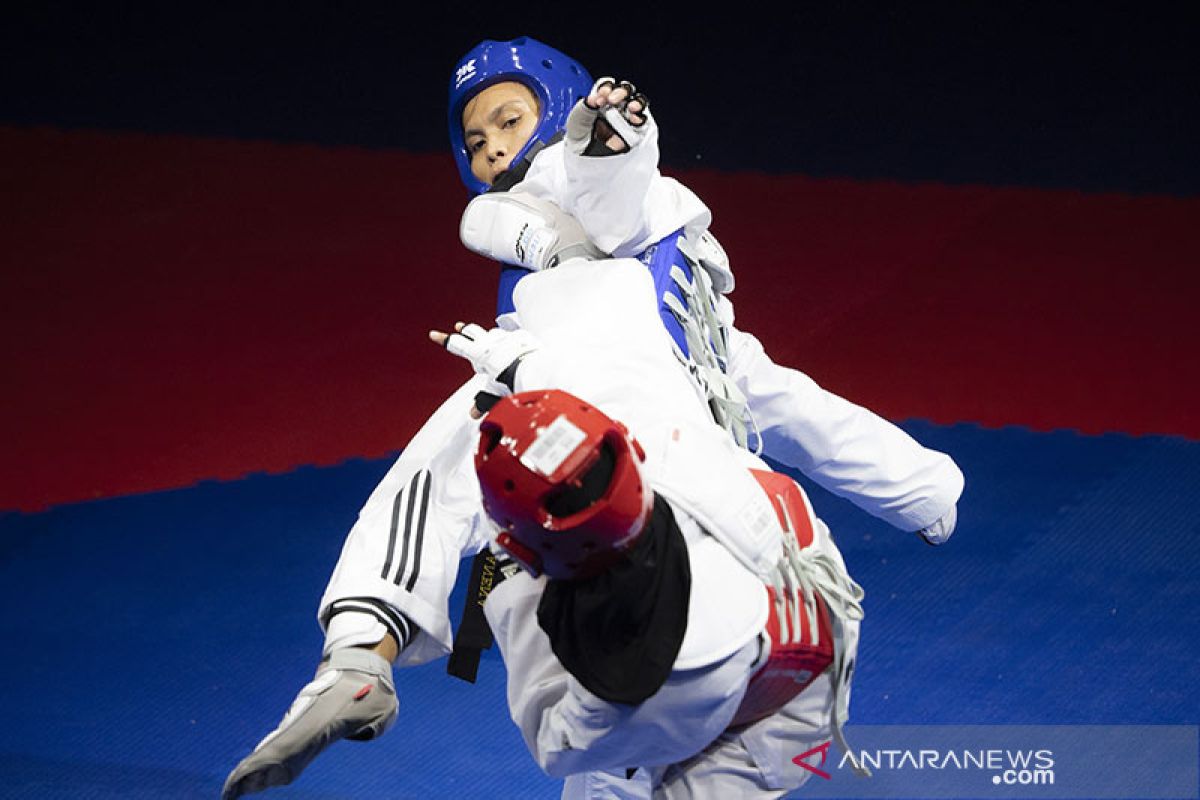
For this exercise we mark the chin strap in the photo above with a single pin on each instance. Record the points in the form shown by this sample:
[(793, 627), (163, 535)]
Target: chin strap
[(516, 172)]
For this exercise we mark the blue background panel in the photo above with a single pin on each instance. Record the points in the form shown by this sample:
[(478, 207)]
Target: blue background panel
[(152, 640)]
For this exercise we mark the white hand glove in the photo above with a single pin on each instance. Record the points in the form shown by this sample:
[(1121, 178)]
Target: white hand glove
[(940, 531), (610, 120), (494, 353), (351, 697)]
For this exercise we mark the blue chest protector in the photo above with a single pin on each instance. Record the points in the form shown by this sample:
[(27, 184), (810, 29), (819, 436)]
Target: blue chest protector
[(659, 259), (687, 306)]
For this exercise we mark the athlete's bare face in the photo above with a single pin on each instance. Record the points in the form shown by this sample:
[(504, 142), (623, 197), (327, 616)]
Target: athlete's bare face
[(497, 123)]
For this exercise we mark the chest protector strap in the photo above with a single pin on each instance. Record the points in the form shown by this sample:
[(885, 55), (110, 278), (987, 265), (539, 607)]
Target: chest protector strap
[(812, 598), (799, 625), (688, 308)]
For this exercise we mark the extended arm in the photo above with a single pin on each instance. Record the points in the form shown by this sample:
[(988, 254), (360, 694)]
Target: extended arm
[(617, 195)]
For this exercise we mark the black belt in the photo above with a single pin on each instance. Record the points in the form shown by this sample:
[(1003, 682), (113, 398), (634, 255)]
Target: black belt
[(473, 635)]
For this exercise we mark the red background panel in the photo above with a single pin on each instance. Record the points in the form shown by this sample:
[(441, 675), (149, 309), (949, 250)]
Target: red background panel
[(1051, 309), (177, 309)]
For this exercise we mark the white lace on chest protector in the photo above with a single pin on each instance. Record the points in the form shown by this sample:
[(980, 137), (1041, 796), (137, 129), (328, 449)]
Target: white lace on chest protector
[(706, 333)]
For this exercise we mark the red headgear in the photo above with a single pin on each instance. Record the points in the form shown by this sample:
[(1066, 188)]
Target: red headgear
[(563, 482)]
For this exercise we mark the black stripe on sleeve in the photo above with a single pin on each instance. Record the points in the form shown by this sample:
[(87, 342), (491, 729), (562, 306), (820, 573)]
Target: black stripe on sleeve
[(408, 515), (397, 624), (391, 547), (412, 581)]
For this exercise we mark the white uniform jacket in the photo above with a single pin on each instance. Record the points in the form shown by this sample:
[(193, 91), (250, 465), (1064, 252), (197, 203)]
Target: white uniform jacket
[(403, 552)]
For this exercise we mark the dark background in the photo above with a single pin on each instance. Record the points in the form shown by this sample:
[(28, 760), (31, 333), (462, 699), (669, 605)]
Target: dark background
[(225, 229), (1095, 96)]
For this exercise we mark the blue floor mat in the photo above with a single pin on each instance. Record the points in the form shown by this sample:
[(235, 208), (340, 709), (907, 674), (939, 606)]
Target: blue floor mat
[(152, 640)]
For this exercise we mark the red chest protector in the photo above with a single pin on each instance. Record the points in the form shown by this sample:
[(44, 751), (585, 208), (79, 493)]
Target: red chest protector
[(798, 655)]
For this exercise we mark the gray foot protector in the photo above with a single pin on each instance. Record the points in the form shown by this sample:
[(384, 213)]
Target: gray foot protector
[(351, 697)]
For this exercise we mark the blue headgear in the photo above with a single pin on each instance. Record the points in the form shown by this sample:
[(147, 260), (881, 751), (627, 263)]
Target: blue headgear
[(557, 80)]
